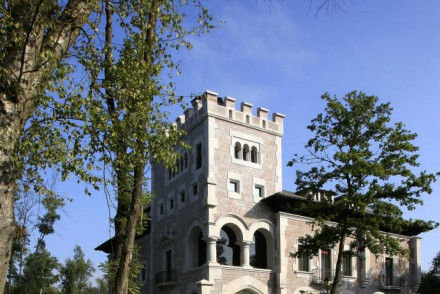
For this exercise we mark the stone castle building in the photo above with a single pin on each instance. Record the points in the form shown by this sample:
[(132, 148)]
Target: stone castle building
[(219, 220)]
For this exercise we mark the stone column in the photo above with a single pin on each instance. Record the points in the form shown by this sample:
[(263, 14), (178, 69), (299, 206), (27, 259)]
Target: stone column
[(211, 256), (245, 253)]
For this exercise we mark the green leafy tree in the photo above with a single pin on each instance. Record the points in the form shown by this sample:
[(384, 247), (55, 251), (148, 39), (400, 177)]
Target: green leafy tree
[(431, 279), (50, 117), (39, 272), (368, 164), (34, 37), (76, 272), (100, 288), (33, 212)]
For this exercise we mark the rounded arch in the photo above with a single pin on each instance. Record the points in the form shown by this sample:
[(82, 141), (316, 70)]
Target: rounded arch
[(263, 251), (236, 223), (246, 150), (254, 154), (245, 283), (228, 247), (262, 224), (237, 150), (195, 244)]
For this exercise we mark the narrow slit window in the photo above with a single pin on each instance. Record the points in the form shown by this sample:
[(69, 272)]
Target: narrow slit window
[(195, 189), (237, 150), (246, 152), (254, 155), (171, 202), (186, 160), (198, 156)]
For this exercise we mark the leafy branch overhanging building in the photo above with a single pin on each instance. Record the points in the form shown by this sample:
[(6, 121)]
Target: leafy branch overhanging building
[(220, 221)]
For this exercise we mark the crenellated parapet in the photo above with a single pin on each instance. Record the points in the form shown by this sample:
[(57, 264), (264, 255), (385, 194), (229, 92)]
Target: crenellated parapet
[(225, 108)]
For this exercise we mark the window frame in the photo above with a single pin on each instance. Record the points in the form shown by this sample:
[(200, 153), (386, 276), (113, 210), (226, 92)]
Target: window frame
[(236, 184)]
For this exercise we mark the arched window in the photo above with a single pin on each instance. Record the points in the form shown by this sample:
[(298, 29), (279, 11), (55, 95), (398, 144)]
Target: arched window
[(254, 154), (169, 174), (258, 251), (197, 248), (228, 251), (230, 113), (246, 152), (185, 159), (237, 150)]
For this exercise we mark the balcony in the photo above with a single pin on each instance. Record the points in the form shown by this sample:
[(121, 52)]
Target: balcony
[(166, 278), (391, 282), (322, 276)]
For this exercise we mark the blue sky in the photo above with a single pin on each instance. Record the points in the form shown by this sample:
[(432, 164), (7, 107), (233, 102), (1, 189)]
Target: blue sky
[(281, 56)]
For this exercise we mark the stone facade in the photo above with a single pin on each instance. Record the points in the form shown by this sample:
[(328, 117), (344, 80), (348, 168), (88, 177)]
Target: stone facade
[(210, 233)]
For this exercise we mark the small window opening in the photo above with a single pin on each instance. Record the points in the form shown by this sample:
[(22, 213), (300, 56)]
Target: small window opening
[(182, 196), (177, 166), (161, 209), (234, 186), (171, 201), (254, 155), (169, 174), (237, 150), (264, 124), (198, 156), (181, 163), (185, 159), (230, 113), (247, 119), (169, 265), (245, 152), (258, 191), (195, 189), (346, 265), (303, 263)]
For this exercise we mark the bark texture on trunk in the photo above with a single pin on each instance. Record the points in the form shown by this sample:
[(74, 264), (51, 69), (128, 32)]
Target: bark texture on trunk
[(337, 278), (25, 73), (126, 234), (123, 273)]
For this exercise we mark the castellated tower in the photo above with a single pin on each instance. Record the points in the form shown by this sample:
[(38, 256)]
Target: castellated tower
[(234, 162)]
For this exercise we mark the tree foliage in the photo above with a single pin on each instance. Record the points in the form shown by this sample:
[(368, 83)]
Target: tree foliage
[(36, 215), (431, 279), (76, 272), (105, 125), (40, 272), (368, 165)]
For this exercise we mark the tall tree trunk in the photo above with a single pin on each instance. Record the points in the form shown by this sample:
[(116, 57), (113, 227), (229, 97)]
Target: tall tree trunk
[(123, 273), (25, 73), (132, 213), (337, 279), (123, 193)]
